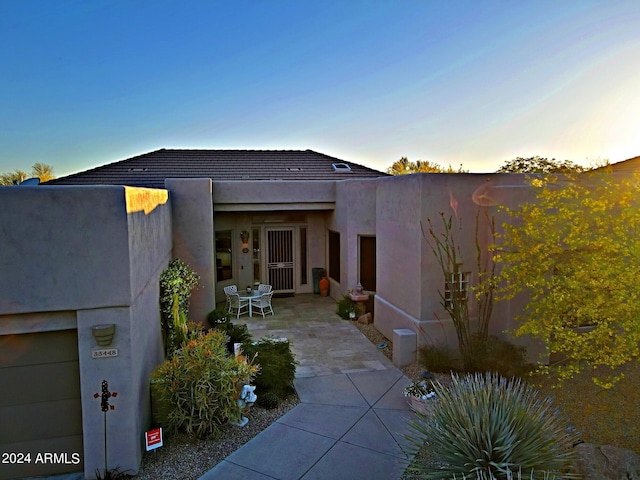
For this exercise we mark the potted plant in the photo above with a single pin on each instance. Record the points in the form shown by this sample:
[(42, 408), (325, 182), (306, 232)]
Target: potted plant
[(418, 395)]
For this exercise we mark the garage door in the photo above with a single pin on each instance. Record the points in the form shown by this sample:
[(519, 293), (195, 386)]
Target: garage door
[(40, 409)]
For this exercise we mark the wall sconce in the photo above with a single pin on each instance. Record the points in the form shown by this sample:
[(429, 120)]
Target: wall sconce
[(104, 334), (244, 236)]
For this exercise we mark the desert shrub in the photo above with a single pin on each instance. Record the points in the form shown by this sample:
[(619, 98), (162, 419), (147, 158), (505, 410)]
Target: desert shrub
[(492, 354), (438, 358), (199, 384), (268, 400), (345, 307), (484, 426), (277, 365)]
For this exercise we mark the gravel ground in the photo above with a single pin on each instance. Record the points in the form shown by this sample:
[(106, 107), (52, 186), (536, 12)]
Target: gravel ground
[(187, 457)]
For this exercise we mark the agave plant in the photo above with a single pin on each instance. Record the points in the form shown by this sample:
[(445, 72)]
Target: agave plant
[(485, 426)]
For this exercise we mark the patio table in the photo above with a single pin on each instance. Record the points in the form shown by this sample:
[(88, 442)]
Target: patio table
[(244, 295)]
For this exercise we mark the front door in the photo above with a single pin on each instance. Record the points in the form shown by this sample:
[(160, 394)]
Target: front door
[(280, 265)]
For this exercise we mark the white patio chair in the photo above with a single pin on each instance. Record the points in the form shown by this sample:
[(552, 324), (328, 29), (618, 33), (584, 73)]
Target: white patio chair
[(237, 305), (262, 288), (263, 303), (229, 290)]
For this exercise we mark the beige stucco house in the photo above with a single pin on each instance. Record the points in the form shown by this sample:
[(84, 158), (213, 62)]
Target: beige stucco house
[(88, 249)]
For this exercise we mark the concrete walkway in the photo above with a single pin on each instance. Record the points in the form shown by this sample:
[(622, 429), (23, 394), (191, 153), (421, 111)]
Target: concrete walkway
[(352, 416)]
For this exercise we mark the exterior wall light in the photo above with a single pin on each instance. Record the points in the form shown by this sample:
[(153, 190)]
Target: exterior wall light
[(104, 334), (244, 236)]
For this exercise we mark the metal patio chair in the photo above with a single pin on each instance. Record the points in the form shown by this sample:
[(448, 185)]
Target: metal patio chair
[(229, 290), (263, 303), (237, 305)]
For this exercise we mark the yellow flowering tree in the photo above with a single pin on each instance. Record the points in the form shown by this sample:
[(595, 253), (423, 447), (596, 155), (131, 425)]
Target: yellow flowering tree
[(575, 252)]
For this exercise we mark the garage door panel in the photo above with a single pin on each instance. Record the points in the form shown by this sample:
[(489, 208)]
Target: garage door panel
[(38, 421), (68, 457), (40, 405), (37, 348), (38, 383)]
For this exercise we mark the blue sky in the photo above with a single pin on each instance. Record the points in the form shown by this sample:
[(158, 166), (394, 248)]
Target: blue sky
[(84, 83)]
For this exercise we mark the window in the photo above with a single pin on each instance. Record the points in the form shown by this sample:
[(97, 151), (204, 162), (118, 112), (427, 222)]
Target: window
[(368, 263), (257, 274), (341, 167), (456, 287), (303, 256), (224, 270), (334, 256)]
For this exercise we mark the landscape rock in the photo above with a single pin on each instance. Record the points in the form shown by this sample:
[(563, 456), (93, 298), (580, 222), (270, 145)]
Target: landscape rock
[(605, 462), (365, 319)]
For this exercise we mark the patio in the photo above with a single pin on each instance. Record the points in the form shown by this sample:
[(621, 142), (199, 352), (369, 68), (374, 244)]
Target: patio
[(323, 343), (352, 416)]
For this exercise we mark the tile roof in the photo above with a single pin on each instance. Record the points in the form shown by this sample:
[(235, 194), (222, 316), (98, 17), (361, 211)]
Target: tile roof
[(151, 169)]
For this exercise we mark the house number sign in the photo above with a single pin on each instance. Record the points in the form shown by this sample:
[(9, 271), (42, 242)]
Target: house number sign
[(104, 352)]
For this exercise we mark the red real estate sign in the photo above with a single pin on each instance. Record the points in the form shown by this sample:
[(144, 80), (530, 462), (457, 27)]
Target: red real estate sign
[(153, 438)]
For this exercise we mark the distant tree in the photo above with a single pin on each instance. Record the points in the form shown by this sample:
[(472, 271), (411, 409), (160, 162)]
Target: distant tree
[(40, 170), (13, 177), (406, 167), (540, 165), (43, 171)]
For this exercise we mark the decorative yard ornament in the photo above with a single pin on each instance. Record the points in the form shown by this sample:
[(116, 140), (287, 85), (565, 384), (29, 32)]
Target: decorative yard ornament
[(105, 406), (245, 400)]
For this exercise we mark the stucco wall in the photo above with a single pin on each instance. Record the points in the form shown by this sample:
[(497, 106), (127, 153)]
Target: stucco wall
[(409, 276), (399, 240), (274, 195), (193, 240), (85, 256), (354, 215), (50, 235)]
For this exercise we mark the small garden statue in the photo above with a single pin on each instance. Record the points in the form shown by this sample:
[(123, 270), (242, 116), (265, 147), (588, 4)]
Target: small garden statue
[(246, 398)]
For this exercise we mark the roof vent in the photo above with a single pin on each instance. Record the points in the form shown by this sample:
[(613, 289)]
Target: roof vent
[(137, 169), (294, 169), (341, 167)]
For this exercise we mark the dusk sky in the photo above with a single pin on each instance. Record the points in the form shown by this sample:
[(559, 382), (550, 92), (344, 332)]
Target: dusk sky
[(477, 83)]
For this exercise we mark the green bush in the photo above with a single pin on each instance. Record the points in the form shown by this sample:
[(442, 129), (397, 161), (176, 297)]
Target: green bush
[(236, 333), (176, 283), (484, 426), (199, 385), (277, 366), (268, 400), (220, 320), (438, 358), (218, 316), (493, 354), (345, 307)]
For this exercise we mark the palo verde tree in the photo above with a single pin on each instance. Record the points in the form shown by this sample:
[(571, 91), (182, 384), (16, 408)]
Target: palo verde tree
[(575, 252)]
